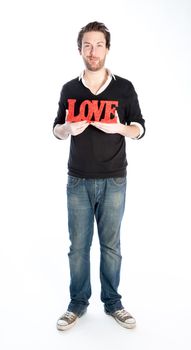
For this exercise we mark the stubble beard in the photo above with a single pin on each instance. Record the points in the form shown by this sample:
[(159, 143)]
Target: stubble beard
[(94, 66)]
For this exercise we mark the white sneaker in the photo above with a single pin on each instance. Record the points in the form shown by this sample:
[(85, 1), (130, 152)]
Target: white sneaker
[(124, 318), (66, 321)]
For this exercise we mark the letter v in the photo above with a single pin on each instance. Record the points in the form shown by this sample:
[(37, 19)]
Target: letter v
[(98, 110)]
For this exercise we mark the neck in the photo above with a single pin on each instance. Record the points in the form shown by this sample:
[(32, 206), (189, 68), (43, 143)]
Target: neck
[(96, 77)]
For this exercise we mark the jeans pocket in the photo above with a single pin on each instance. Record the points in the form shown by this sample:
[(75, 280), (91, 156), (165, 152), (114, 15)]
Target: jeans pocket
[(73, 181), (119, 181)]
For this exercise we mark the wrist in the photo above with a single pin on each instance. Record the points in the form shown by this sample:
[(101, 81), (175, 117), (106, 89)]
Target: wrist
[(61, 131), (131, 131), (123, 129)]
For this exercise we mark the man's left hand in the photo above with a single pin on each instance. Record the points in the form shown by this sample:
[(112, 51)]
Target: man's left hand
[(132, 131), (109, 128)]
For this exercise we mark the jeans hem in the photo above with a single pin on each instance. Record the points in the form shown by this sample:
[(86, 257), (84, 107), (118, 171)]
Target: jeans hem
[(79, 310), (109, 310)]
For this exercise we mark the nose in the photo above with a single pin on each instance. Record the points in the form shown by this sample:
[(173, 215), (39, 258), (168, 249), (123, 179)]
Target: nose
[(93, 50)]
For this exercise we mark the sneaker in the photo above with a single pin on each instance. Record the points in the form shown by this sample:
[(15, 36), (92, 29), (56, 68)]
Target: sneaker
[(66, 321), (124, 318)]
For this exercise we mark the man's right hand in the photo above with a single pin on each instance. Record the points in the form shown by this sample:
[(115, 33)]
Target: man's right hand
[(62, 131), (76, 128)]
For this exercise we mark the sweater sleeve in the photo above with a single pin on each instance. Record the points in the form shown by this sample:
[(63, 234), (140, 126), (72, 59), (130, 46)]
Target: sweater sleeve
[(62, 106), (134, 115)]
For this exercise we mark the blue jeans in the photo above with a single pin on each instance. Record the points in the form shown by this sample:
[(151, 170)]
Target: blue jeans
[(103, 199)]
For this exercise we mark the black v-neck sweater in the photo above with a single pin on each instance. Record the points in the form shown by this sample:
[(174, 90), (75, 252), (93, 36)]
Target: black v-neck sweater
[(95, 154)]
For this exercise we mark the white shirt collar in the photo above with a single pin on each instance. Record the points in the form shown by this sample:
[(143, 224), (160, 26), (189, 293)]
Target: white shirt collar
[(104, 86), (110, 74)]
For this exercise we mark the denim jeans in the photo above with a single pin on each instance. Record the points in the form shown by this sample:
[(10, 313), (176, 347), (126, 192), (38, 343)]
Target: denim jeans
[(104, 200)]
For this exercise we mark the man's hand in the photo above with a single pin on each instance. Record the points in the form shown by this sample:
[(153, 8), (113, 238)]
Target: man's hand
[(131, 131), (62, 131), (109, 128), (76, 128)]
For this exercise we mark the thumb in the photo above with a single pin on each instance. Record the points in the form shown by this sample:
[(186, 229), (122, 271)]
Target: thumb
[(66, 117), (117, 116)]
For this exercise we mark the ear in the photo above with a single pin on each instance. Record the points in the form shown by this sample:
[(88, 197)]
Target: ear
[(80, 51)]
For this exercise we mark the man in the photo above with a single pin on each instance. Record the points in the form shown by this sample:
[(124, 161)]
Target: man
[(98, 109)]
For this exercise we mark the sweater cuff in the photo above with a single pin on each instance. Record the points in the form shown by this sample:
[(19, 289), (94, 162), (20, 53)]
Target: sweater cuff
[(140, 128)]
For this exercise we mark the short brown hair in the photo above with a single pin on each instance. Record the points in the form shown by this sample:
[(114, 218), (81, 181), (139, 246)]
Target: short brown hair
[(94, 27)]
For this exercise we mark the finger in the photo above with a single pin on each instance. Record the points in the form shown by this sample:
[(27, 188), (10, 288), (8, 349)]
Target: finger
[(117, 116), (98, 124), (83, 122), (80, 129), (102, 128), (66, 117)]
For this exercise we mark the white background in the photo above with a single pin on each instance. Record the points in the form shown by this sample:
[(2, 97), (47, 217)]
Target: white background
[(151, 47)]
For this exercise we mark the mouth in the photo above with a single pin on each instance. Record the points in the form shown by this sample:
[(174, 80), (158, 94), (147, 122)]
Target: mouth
[(93, 59)]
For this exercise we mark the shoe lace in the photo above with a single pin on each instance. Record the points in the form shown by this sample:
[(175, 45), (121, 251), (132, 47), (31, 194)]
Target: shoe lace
[(69, 315), (123, 314)]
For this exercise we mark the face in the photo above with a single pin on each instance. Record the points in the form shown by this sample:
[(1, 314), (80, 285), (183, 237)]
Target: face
[(94, 50)]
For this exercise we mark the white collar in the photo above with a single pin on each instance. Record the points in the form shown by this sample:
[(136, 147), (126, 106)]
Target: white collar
[(104, 86), (110, 74)]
